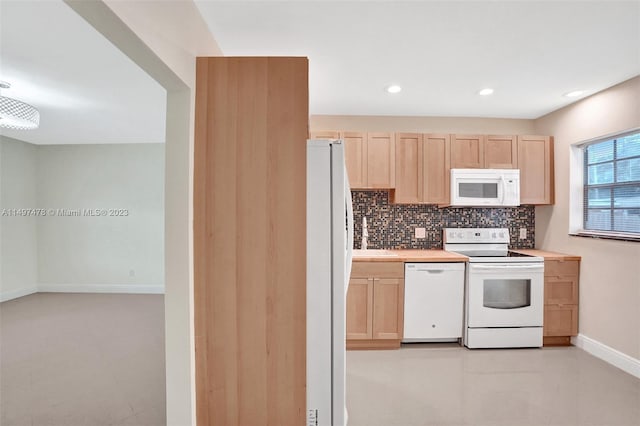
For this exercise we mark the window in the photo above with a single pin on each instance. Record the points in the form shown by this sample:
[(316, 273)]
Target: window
[(612, 186)]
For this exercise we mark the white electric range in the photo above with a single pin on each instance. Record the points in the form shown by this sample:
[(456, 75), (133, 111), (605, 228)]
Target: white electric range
[(504, 304)]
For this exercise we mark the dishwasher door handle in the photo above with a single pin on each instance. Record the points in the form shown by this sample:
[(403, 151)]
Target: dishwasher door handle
[(431, 271)]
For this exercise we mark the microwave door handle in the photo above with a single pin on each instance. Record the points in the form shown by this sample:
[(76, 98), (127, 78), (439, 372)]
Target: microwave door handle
[(503, 187)]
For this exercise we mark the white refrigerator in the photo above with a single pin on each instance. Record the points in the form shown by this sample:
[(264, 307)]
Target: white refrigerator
[(329, 255)]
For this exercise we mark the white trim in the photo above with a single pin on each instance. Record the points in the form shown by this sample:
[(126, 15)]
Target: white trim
[(576, 189), (608, 354), (14, 294), (608, 136), (102, 288)]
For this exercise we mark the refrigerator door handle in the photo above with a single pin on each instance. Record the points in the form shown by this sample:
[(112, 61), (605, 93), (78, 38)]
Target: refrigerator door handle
[(349, 205)]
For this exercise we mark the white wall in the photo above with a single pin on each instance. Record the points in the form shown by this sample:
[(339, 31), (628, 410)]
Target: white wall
[(610, 270), (18, 252), (164, 38), (105, 253)]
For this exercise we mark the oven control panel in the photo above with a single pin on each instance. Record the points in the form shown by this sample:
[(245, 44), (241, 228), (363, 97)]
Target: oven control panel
[(476, 235)]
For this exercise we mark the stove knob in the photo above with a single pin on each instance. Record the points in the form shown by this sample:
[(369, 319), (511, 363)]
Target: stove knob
[(460, 235), (493, 235), (502, 235)]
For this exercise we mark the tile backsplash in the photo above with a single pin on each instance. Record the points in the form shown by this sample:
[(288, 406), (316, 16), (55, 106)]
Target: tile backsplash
[(392, 226)]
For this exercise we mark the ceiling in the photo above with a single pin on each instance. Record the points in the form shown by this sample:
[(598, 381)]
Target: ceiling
[(86, 89), (441, 53)]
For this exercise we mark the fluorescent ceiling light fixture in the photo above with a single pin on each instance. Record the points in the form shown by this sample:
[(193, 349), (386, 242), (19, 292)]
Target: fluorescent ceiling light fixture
[(394, 88), (15, 114), (485, 92), (574, 93)]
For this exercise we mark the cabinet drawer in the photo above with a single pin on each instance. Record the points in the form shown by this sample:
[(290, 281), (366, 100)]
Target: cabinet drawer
[(561, 290), (561, 267), (561, 320), (377, 270)]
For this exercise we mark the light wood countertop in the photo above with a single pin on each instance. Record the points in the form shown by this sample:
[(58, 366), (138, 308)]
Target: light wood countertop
[(548, 255), (407, 256)]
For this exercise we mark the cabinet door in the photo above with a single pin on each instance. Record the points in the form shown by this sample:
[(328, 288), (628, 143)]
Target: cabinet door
[(436, 171), (561, 320), (500, 152), (359, 308), (324, 134), (388, 307), (535, 161), (561, 290), (467, 151), (380, 160), (355, 155), (408, 168)]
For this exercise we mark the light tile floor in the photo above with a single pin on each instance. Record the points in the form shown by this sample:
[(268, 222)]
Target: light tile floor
[(82, 360), (97, 359), (445, 384)]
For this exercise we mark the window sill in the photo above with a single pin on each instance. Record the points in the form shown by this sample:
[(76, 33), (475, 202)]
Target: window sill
[(603, 236)]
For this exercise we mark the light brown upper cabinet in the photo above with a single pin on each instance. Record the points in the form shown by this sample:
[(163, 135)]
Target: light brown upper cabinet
[(355, 153), (436, 170), (370, 159), (535, 161), (418, 166), (467, 151), (409, 159), (380, 160), (422, 168), (500, 152)]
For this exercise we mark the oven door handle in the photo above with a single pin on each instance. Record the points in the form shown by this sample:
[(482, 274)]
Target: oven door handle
[(508, 267)]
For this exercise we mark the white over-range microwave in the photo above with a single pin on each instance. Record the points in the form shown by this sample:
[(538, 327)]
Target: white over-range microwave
[(485, 187)]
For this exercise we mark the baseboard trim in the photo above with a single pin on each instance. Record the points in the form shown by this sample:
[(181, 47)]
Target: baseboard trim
[(14, 294), (608, 354), (102, 288)]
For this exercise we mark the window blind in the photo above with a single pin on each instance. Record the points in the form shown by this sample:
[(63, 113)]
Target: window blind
[(612, 185)]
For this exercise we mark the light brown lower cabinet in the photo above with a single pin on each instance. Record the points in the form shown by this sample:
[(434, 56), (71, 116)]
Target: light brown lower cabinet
[(359, 309), (561, 286), (375, 305)]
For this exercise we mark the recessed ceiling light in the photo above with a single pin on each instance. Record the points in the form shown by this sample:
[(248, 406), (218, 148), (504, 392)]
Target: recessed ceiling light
[(574, 93), (394, 88), (485, 92)]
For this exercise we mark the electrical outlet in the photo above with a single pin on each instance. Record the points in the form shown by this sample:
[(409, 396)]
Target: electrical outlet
[(523, 233), (421, 233)]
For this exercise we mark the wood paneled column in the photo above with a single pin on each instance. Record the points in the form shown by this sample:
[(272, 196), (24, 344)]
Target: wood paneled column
[(250, 240)]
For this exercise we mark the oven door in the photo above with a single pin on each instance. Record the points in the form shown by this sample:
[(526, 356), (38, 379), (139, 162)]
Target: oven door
[(505, 295)]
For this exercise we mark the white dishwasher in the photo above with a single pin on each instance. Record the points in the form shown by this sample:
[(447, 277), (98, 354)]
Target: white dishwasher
[(433, 302)]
